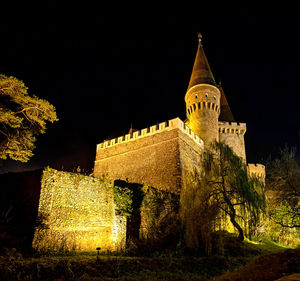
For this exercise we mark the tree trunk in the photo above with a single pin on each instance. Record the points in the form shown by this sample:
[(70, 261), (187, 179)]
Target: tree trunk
[(237, 226), (232, 215)]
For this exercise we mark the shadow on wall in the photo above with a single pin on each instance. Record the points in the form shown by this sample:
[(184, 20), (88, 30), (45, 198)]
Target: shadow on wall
[(133, 221), (154, 223)]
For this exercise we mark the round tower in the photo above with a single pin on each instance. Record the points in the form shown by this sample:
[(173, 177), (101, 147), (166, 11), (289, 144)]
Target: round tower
[(203, 100)]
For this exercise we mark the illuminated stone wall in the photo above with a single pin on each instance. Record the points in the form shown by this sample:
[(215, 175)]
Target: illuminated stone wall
[(78, 214), (232, 134), (154, 156), (257, 170)]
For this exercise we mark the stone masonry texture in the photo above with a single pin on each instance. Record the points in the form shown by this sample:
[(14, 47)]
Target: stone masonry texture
[(156, 160), (150, 160), (78, 213)]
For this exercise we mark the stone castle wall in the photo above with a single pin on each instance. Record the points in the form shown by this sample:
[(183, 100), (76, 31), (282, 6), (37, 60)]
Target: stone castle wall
[(190, 156), (153, 156), (79, 214), (257, 170), (232, 134)]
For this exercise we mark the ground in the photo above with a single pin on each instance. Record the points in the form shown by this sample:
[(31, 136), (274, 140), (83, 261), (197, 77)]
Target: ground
[(246, 261)]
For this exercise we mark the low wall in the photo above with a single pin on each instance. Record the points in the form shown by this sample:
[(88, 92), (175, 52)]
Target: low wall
[(78, 213)]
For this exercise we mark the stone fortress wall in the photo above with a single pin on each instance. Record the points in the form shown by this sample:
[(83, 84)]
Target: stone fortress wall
[(257, 170), (160, 155), (232, 134), (79, 211), (154, 156), (79, 214)]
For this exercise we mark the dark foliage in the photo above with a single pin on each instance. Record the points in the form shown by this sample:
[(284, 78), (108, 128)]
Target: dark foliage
[(20, 194)]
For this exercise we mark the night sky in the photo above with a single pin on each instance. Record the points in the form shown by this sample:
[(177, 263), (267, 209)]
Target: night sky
[(107, 68)]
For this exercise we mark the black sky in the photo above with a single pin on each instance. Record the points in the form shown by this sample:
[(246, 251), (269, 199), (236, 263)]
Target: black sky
[(105, 68)]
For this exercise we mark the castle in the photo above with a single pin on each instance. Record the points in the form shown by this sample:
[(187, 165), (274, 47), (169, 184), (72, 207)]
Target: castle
[(82, 210), (159, 156)]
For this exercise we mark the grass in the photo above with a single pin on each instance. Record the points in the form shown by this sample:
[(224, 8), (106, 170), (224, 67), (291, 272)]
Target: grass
[(239, 261), (267, 246), (86, 267)]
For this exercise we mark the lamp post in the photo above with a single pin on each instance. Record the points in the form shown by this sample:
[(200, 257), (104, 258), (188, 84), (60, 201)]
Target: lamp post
[(98, 253)]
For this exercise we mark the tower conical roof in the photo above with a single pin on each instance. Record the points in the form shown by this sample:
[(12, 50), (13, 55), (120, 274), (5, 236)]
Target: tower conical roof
[(226, 114), (201, 73)]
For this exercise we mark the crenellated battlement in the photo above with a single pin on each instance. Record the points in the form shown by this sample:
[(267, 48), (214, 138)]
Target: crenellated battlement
[(175, 123), (257, 170), (232, 128)]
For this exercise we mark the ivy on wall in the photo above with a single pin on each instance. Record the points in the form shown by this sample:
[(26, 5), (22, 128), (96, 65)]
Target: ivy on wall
[(123, 200), (159, 216)]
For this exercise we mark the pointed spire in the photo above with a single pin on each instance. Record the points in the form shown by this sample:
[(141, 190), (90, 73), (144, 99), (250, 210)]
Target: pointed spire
[(226, 114), (199, 38), (201, 73)]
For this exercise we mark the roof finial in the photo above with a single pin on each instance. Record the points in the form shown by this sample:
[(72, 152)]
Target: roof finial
[(199, 37)]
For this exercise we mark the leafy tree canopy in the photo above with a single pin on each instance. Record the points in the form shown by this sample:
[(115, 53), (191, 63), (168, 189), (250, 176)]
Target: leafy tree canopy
[(232, 187), (22, 118), (283, 185)]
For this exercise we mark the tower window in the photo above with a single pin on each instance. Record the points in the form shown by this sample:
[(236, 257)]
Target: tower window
[(206, 95), (196, 96)]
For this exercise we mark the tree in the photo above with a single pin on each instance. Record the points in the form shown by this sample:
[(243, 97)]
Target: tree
[(22, 118), (283, 187), (220, 186), (236, 193), (198, 212)]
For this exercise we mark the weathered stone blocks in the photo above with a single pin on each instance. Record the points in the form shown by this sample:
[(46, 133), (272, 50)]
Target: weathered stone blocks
[(156, 159), (78, 213)]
